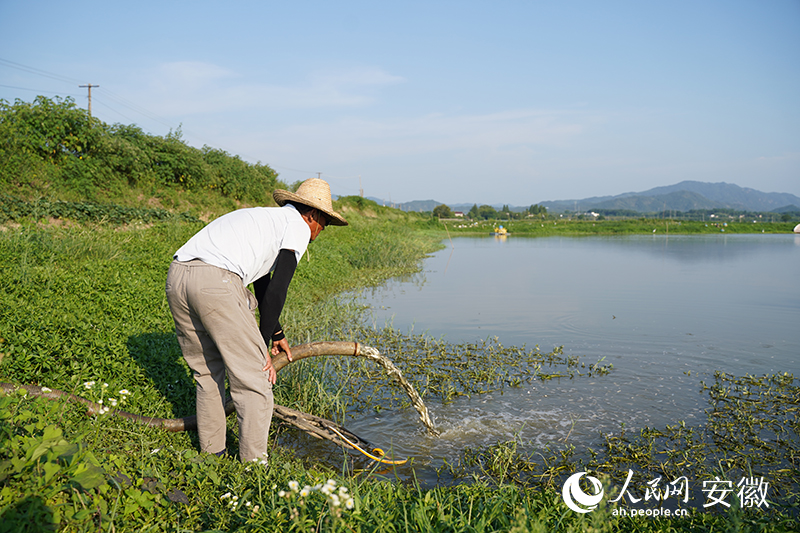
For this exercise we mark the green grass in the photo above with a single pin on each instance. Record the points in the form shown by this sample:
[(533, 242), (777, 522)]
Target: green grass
[(565, 226), (82, 303), (111, 476)]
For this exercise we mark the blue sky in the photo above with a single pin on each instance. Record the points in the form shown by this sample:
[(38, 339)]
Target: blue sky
[(476, 102)]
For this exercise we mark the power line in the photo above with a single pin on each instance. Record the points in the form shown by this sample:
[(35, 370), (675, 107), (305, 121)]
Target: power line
[(133, 107), (114, 110), (40, 72), (137, 108), (327, 176), (40, 91), (106, 92), (120, 100)]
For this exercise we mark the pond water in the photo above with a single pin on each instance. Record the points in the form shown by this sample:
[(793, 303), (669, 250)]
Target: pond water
[(667, 311)]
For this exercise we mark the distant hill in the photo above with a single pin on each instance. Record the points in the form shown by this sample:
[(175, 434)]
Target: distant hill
[(416, 205), (683, 196), (428, 205), (678, 201)]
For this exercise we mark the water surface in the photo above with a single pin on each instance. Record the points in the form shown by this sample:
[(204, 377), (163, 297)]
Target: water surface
[(666, 311)]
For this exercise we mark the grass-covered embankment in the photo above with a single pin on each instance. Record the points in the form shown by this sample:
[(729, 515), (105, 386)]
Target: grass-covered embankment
[(85, 303), (551, 227)]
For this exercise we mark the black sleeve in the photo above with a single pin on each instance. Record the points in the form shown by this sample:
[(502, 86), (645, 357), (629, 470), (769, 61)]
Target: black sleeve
[(271, 292)]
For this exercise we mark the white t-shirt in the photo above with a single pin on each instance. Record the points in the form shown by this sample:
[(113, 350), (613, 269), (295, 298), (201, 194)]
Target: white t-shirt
[(247, 241)]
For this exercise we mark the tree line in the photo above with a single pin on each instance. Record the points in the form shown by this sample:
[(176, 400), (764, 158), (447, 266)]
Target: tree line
[(51, 145), (487, 212)]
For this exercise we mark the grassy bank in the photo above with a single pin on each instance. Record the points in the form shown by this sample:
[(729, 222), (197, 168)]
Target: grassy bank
[(82, 305), (564, 226)]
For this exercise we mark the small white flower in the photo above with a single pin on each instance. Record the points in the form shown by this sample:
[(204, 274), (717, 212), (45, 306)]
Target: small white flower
[(105, 385), (124, 392), (247, 504), (328, 488), (282, 494), (294, 485), (113, 402), (226, 495), (89, 384), (349, 503), (306, 491)]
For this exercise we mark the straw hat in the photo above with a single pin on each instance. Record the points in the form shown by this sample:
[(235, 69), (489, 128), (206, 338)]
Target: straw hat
[(313, 192)]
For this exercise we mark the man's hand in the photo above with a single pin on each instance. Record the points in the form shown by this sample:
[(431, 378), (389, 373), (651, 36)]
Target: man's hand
[(272, 373), (277, 347), (282, 346)]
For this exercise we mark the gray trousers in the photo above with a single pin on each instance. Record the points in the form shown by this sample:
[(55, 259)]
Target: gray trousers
[(215, 321)]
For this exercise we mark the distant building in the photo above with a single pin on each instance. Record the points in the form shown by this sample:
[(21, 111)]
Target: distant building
[(458, 214)]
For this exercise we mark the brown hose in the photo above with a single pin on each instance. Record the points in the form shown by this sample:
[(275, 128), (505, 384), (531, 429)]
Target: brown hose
[(315, 426), (314, 349)]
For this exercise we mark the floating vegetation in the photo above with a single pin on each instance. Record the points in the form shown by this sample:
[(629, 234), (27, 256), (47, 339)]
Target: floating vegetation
[(446, 371), (751, 431)]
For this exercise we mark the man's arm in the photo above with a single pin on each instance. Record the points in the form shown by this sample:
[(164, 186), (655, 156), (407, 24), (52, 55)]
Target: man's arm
[(270, 291)]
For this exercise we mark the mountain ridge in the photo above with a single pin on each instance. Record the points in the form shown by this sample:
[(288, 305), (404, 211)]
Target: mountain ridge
[(683, 196)]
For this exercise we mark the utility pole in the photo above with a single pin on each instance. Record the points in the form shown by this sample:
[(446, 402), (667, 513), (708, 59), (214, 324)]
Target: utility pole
[(90, 95), (360, 188), (319, 175)]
